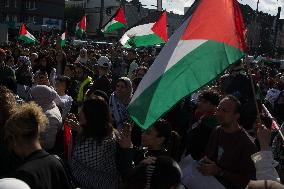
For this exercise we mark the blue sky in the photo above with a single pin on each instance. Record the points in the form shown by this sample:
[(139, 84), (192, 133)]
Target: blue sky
[(177, 6)]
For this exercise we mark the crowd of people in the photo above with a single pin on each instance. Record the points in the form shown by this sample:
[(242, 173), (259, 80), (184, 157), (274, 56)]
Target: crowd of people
[(64, 123)]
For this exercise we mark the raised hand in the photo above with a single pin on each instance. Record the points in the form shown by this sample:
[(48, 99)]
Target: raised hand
[(125, 136)]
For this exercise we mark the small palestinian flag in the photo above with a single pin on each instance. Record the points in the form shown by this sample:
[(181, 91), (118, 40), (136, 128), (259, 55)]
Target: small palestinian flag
[(146, 34), (81, 27), (63, 39), (26, 36), (117, 22)]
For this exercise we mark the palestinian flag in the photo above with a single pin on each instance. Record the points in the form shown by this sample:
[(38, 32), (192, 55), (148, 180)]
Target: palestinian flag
[(199, 51), (26, 36), (146, 34), (81, 26), (117, 22), (63, 39)]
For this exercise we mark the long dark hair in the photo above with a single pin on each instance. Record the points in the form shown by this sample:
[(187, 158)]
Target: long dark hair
[(172, 139), (98, 120)]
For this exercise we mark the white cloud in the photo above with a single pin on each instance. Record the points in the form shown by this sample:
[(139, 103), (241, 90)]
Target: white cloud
[(267, 6)]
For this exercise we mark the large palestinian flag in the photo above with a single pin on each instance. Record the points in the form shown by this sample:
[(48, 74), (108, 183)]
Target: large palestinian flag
[(26, 36), (200, 50), (117, 22), (146, 34), (81, 27)]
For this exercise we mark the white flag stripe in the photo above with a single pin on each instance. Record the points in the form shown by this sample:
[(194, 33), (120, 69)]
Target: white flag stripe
[(166, 59)]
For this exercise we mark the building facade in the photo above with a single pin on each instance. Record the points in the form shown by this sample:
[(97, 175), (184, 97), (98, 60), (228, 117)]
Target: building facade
[(134, 13), (32, 12)]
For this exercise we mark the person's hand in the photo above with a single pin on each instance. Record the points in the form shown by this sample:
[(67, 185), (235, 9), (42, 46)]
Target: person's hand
[(208, 167), (148, 160), (125, 136), (73, 122), (264, 137)]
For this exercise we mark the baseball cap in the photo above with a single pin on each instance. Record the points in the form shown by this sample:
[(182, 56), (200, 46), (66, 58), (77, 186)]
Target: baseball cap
[(103, 61)]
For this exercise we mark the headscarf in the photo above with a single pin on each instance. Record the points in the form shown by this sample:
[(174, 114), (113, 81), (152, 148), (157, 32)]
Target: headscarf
[(81, 59), (25, 61), (118, 107), (44, 96), (128, 83)]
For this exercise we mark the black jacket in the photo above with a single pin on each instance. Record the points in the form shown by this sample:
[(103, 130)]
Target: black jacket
[(42, 171)]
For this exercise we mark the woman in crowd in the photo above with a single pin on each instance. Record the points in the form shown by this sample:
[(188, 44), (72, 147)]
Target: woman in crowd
[(158, 140), (83, 56), (46, 65), (22, 132), (158, 173), (64, 102), (119, 101), (61, 62), (93, 161), (44, 96)]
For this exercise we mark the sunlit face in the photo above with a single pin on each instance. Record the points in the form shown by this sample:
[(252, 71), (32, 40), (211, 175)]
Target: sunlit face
[(68, 72), (226, 113), (150, 139), (121, 89), (60, 86), (203, 106)]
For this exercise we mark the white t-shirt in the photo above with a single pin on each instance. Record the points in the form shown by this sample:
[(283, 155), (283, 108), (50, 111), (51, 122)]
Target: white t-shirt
[(64, 102)]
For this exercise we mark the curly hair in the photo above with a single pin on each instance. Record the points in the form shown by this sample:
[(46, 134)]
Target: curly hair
[(27, 121), (7, 104)]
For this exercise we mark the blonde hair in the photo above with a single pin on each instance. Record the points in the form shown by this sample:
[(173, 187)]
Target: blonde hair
[(27, 121), (7, 104)]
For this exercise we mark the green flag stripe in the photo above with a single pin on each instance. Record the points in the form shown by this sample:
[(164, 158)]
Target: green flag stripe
[(62, 43), (145, 40), (114, 27), (210, 60), (26, 39)]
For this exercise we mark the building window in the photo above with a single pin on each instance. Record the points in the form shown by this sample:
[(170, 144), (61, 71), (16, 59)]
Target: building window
[(15, 18), (15, 3), (27, 4), (34, 7), (7, 18), (7, 3)]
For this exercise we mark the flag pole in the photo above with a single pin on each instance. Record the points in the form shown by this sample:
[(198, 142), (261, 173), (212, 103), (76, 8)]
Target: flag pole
[(273, 119), (258, 120)]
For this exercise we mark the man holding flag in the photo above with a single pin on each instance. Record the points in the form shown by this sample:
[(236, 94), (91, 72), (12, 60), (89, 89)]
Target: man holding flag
[(206, 44)]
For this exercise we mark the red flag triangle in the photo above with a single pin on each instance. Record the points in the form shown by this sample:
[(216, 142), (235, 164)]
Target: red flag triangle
[(23, 30), (218, 20), (83, 23), (160, 27), (120, 16)]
